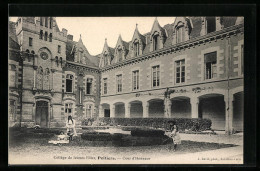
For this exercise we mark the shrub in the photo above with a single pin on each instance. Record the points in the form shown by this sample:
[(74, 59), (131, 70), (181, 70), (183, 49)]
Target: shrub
[(87, 121), (147, 133), (47, 130), (194, 124)]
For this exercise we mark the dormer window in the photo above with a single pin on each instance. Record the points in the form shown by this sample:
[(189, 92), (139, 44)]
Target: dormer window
[(105, 59), (120, 54), (41, 34), (50, 37), (46, 36), (210, 24), (80, 53), (180, 32), (156, 41), (136, 48)]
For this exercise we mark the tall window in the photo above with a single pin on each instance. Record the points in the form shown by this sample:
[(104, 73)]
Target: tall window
[(41, 34), (105, 85), (46, 22), (50, 37), (135, 80), (180, 31), (89, 85), (12, 76), (68, 108), (46, 79), (210, 24), (80, 53), (51, 22), (180, 71), (30, 41), (119, 83), (46, 36), (120, 54), (39, 78), (156, 75), (136, 48), (105, 60), (210, 65), (89, 111), (156, 42), (69, 83), (59, 48), (242, 59), (12, 109), (41, 21)]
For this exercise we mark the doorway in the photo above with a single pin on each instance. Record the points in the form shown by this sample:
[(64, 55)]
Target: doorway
[(42, 113), (107, 113)]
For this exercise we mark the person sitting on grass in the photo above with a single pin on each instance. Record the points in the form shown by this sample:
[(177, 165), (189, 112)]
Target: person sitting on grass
[(175, 135), (61, 139)]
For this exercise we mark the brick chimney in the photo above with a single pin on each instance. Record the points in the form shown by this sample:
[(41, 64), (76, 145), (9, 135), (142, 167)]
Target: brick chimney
[(64, 31), (70, 37)]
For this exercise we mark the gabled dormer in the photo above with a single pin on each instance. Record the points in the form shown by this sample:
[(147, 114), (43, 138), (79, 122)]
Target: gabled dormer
[(182, 27), (157, 37), (106, 55), (210, 24), (121, 50), (137, 44), (80, 52)]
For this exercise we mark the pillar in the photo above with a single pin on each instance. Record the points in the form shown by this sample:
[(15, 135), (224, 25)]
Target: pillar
[(194, 101), (34, 76), (127, 110), (101, 111), (229, 114), (145, 109), (167, 108), (112, 110), (52, 78)]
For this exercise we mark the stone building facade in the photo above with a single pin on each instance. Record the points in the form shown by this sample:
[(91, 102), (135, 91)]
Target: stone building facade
[(192, 68)]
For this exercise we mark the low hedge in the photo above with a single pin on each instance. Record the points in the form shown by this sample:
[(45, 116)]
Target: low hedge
[(193, 124), (101, 136), (147, 133)]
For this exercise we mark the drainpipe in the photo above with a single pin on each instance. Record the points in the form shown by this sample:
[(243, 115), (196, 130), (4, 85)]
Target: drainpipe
[(21, 88), (229, 131)]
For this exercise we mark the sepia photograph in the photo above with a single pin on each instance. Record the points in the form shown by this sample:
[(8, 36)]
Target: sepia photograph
[(125, 90)]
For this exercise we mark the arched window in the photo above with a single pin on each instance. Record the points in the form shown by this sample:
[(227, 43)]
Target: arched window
[(136, 48), (210, 24), (39, 78), (156, 41), (60, 61), (57, 60), (27, 51), (41, 34), (46, 79), (46, 22), (32, 52), (120, 54), (12, 75), (41, 21), (51, 22), (69, 83), (180, 33), (46, 36), (50, 37)]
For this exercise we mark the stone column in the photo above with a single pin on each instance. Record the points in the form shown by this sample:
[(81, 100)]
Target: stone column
[(101, 111), (145, 109), (167, 108), (229, 114), (34, 76), (112, 110), (127, 110), (52, 78), (194, 101)]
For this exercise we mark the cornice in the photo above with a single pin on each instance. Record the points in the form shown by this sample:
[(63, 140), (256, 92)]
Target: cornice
[(192, 43), (81, 66)]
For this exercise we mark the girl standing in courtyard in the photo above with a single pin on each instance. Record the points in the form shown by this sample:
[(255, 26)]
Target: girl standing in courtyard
[(175, 135), (70, 124)]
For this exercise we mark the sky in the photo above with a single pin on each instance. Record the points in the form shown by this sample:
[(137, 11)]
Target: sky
[(94, 30)]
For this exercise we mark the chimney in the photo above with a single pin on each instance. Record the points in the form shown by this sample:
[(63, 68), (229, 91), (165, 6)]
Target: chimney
[(64, 31), (70, 37)]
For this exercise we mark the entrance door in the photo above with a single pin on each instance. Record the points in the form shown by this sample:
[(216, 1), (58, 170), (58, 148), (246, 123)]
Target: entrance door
[(107, 113), (42, 113)]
